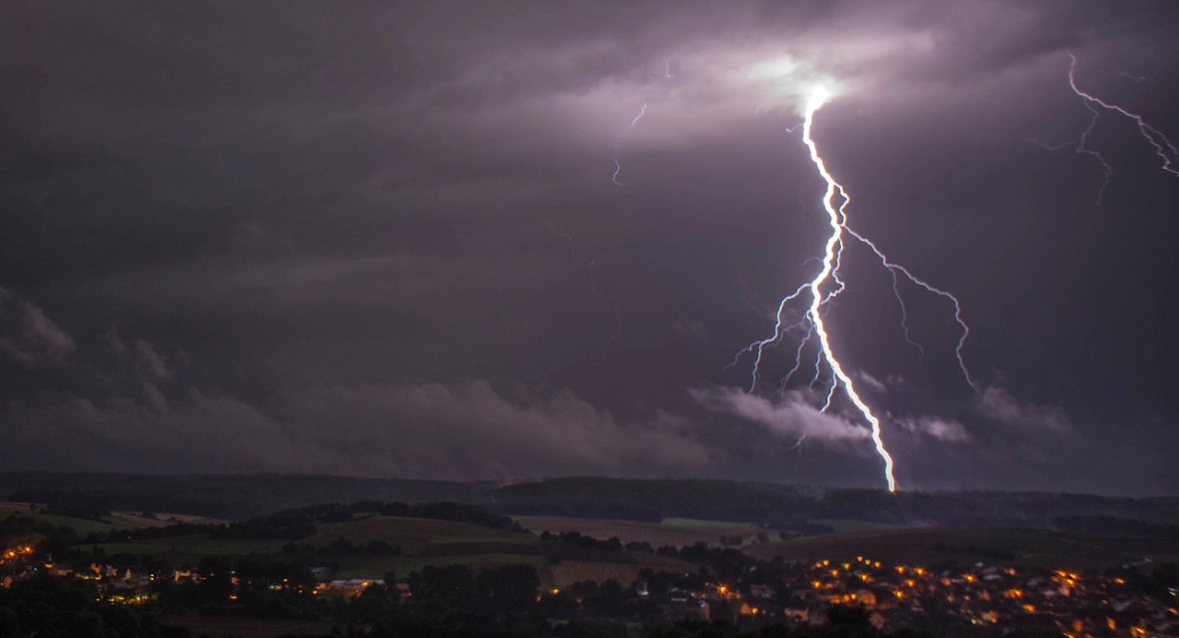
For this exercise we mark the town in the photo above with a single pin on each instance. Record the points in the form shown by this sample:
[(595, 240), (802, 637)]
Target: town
[(945, 600)]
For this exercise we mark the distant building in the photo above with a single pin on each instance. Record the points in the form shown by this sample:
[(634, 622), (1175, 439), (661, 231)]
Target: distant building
[(347, 587), (799, 614), (686, 609)]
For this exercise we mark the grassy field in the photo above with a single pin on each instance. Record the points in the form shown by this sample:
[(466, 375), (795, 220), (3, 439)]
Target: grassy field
[(423, 542), (190, 549), (850, 527), (413, 535), (696, 523), (378, 566), (116, 520), (672, 531), (1030, 547)]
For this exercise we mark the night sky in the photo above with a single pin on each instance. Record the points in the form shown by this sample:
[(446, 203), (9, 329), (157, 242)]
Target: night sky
[(383, 239)]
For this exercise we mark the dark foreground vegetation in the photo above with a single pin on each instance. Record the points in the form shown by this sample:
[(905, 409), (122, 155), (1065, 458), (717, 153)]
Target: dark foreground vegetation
[(448, 603)]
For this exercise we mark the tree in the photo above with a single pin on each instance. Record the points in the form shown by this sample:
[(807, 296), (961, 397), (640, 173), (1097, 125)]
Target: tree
[(9, 624), (450, 584), (511, 588), (848, 615)]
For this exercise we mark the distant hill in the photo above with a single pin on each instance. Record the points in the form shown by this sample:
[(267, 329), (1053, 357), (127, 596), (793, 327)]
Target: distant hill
[(654, 500), (232, 496), (237, 496)]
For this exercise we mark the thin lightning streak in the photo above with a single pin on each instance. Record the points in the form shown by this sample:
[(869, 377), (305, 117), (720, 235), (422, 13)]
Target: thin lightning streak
[(1083, 148), (617, 165), (759, 346), (797, 359), (836, 218), (894, 268), (830, 397), (818, 368), (667, 69), (591, 268), (1163, 147), (905, 315), (839, 285), (642, 112)]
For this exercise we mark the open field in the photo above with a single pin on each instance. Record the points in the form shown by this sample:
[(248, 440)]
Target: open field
[(673, 531), (378, 566), (678, 532), (698, 523), (135, 519), (423, 542), (1031, 547), (116, 520), (190, 549), (432, 542), (413, 535), (844, 526)]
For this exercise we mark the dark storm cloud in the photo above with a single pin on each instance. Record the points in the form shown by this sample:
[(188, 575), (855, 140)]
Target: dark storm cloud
[(793, 416), (468, 431), (315, 224), (143, 355), (999, 405), (30, 337), (937, 428)]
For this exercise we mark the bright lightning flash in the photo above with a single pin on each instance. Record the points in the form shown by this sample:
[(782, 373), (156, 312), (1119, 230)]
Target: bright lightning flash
[(815, 101), (829, 278)]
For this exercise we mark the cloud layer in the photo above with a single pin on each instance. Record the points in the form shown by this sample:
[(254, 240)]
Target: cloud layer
[(794, 416), (30, 337), (332, 231), (465, 431), (998, 404)]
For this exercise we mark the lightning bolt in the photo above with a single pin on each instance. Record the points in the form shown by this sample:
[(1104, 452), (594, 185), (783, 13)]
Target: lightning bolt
[(591, 268), (617, 170), (836, 217), (1163, 147), (617, 165), (826, 285), (797, 359)]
